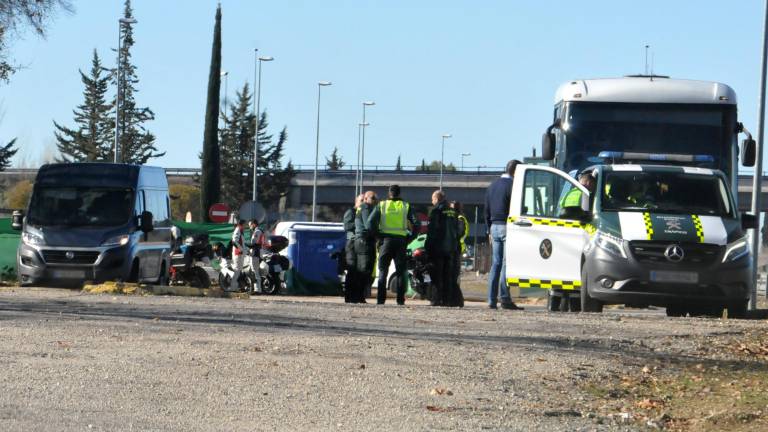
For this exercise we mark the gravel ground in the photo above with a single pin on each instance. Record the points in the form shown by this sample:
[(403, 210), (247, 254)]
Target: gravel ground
[(82, 362)]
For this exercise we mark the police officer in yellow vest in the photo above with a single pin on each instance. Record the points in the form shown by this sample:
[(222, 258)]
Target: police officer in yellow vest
[(393, 222), (572, 199)]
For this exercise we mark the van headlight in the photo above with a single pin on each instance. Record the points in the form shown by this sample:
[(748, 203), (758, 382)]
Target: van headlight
[(736, 250), (610, 243), (120, 240), (32, 239)]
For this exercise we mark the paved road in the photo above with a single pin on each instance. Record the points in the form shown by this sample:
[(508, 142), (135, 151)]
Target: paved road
[(82, 362)]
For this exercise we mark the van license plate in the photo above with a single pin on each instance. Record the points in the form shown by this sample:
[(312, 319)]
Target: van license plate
[(69, 274), (674, 277)]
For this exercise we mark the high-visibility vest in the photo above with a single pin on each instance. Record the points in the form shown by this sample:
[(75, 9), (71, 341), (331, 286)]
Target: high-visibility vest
[(394, 218), (464, 233), (572, 198)]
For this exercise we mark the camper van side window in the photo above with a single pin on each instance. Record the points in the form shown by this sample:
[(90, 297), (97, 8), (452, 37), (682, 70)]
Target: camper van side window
[(139, 202), (158, 205)]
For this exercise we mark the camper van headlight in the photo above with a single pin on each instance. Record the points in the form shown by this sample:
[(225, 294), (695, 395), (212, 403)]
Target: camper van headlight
[(736, 250), (610, 243), (120, 240), (32, 238)]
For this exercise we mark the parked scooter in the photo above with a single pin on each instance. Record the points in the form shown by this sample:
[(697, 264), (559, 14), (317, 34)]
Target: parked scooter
[(186, 259)]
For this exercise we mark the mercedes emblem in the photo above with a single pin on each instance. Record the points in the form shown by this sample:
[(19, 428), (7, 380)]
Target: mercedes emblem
[(70, 255), (674, 253)]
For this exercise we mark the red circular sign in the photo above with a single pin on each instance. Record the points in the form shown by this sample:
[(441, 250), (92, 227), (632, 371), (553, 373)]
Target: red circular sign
[(218, 213)]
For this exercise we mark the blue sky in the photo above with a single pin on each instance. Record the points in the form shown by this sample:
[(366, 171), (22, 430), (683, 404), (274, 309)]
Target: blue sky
[(485, 71)]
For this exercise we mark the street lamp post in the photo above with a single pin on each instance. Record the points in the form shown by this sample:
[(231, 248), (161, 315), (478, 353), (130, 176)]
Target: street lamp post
[(442, 158), (120, 24), (320, 85), (463, 155), (225, 74), (256, 131), (362, 143)]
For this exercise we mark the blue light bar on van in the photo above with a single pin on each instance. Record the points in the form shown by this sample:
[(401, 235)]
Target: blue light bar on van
[(662, 157)]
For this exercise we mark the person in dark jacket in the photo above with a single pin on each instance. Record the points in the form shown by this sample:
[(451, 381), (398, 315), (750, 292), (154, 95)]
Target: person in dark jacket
[(393, 222), (352, 280), (497, 199), (365, 247), (442, 247)]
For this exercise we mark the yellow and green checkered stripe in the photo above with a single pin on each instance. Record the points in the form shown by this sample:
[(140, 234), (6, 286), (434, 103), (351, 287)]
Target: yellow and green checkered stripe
[(544, 283), (699, 228), (648, 225), (557, 222)]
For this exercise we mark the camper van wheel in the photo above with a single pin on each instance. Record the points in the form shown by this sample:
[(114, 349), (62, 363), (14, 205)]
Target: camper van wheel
[(133, 276), (162, 280)]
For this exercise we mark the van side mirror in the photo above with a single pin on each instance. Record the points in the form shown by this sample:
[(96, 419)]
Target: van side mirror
[(548, 141), (146, 224), (748, 150), (748, 221), (17, 220)]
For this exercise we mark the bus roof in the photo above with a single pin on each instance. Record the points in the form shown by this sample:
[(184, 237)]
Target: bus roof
[(645, 89)]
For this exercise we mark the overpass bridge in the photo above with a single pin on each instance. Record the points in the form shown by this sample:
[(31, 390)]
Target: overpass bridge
[(337, 188)]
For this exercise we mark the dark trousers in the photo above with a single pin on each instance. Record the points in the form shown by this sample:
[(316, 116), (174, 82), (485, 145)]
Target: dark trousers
[(352, 281), (392, 248), (444, 273), (366, 256)]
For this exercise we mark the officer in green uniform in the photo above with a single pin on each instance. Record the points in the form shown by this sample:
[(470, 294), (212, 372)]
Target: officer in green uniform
[(352, 280), (442, 246), (365, 247), (393, 221)]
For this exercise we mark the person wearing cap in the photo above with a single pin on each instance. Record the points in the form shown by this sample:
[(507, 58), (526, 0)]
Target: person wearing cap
[(497, 199), (365, 247), (443, 247), (393, 223), (351, 281)]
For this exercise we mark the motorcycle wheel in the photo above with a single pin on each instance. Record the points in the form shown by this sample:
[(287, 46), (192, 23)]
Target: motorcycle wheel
[(270, 285), (196, 277), (223, 281)]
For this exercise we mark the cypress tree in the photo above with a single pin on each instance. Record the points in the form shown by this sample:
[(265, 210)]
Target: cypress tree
[(210, 183), (6, 153), (93, 140), (398, 165), (137, 144)]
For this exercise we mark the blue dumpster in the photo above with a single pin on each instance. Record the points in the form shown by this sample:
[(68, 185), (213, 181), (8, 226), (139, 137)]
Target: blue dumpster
[(310, 245)]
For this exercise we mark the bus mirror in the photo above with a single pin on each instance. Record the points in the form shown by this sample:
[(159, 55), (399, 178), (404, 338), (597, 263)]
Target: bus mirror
[(748, 221), (748, 152), (17, 220), (145, 222)]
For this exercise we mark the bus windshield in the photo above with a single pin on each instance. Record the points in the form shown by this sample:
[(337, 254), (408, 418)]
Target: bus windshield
[(79, 206), (665, 192), (592, 127)]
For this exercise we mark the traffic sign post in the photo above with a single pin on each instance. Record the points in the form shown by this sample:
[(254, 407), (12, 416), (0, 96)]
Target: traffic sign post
[(218, 213)]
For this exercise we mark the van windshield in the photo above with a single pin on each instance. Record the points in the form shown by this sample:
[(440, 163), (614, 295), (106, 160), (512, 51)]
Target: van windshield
[(665, 192), (70, 206)]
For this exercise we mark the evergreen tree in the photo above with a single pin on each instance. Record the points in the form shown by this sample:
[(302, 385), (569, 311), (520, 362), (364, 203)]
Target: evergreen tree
[(398, 165), (236, 147), (335, 163), (435, 166), (137, 144), (210, 182), (274, 180), (93, 140), (6, 153), (423, 166)]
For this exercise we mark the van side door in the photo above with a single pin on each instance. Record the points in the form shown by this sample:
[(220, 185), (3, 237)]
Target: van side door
[(544, 247)]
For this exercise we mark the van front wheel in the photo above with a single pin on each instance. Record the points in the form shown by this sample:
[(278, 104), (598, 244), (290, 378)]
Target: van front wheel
[(588, 304)]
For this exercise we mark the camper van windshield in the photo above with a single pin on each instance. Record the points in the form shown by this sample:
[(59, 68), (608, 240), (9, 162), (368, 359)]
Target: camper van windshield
[(593, 127), (70, 206)]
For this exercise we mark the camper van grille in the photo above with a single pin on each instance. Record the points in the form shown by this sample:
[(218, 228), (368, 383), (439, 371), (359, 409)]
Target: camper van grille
[(77, 257)]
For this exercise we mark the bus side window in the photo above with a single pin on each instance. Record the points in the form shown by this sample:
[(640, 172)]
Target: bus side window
[(139, 202)]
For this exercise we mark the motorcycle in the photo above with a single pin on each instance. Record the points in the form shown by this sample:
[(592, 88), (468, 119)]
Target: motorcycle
[(272, 265), (185, 262), (417, 269), (245, 282)]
